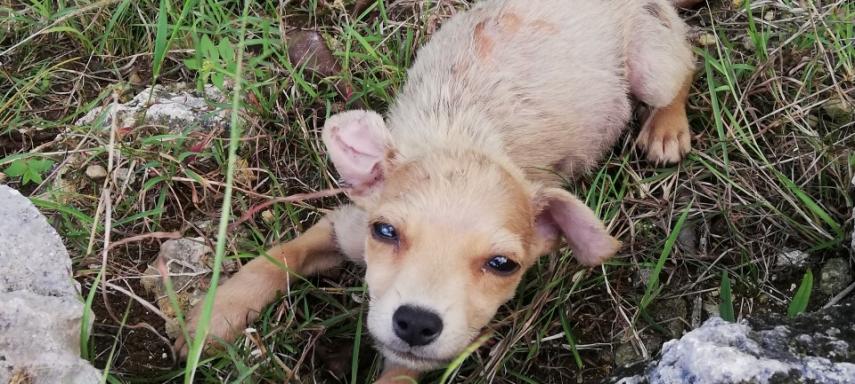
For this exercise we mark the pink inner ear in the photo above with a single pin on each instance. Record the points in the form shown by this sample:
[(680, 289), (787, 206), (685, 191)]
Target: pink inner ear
[(356, 142), (585, 234)]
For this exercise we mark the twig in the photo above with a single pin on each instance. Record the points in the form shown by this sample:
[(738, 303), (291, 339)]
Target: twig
[(139, 325), (288, 199), (834, 300), (144, 236), (151, 307), (633, 332)]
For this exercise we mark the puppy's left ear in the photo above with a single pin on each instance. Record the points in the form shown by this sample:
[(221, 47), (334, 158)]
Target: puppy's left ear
[(562, 214), (359, 145)]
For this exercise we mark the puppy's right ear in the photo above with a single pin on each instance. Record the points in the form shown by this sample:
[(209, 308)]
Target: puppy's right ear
[(359, 146), (562, 214)]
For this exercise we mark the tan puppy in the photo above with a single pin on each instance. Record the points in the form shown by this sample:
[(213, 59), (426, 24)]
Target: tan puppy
[(455, 193)]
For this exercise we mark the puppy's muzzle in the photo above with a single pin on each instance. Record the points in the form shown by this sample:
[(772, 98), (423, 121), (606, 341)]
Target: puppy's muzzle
[(416, 326)]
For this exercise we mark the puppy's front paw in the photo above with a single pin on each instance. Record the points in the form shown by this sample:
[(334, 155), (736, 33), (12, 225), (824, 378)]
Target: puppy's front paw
[(229, 318), (665, 136), (393, 374)]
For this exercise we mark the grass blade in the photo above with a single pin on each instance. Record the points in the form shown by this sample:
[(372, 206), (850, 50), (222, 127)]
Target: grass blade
[(802, 297), (458, 361), (87, 316), (354, 364), (653, 282), (725, 308), (811, 204), (195, 351), (568, 334), (160, 41)]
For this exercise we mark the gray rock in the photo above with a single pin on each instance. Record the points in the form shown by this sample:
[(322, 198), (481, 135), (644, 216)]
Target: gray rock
[(794, 258), (812, 348), (175, 107), (40, 308), (835, 276), (688, 238)]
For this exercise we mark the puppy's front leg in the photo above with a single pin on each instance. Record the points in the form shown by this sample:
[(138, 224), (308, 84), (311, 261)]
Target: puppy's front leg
[(240, 299)]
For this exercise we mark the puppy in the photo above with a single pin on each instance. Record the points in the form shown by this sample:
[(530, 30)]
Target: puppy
[(457, 192)]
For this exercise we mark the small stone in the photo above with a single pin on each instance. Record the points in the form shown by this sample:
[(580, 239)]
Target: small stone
[(244, 175), (671, 313), (124, 175), (204, 224), (688, 238), (748, 43), (96, 172), (135, 79), (711, 308), (626, 353), (769, 16), (835, 276), (838, 109), (707, 39), (812, 121), (697, 305), (307, 49), (794, 258), (187, 261), (267, 216), (643, 276)]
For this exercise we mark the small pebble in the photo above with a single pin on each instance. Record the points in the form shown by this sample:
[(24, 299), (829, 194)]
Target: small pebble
[(837, 108), (707, 39), (267, 216), (795, 258), (835, 276), (688, 238), (96, 172)]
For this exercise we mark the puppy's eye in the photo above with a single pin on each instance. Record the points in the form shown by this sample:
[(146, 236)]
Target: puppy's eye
[(502, 265), (384, 232)]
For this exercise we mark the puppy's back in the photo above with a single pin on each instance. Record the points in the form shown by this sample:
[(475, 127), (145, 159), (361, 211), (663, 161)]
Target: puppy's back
[(542, 80)]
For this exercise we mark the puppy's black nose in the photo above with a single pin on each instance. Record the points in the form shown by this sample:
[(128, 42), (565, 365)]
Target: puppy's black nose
[(416, 326)]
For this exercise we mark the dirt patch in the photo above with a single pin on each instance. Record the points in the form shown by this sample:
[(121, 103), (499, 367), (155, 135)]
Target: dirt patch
[(139, 347)]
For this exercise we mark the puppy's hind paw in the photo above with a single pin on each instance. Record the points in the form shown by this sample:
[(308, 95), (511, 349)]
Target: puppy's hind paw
[(665, 136)]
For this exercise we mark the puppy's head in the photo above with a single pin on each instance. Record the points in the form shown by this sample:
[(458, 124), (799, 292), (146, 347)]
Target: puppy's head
[(450, 235)]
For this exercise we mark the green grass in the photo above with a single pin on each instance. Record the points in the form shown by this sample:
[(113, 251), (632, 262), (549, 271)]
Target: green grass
[(725, 308), (770, 172), (802, 297)]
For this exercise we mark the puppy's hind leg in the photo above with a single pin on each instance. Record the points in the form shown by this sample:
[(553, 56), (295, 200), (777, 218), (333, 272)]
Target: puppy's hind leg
[(661, 68)]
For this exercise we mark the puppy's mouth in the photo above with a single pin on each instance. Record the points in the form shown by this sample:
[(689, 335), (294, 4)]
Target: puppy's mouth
[(410, 356)]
